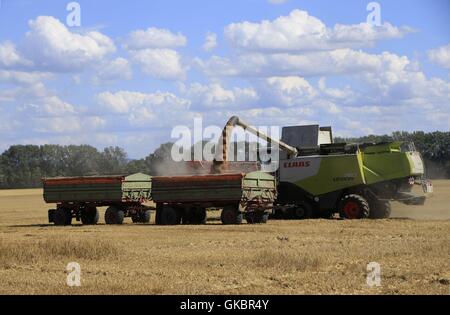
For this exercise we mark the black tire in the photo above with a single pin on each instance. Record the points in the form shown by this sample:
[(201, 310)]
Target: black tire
[(136, 218), (250, 218), (231, 215), (265, 218), (146, 216), (380, 209), (256, 218), (159, 210), (114, 215), (62, 217), (353, 206), (170, 216), (302, 211), (199, 216), (89, 216)]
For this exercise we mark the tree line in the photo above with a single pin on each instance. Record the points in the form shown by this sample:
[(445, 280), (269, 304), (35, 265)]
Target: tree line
[(24, 166)]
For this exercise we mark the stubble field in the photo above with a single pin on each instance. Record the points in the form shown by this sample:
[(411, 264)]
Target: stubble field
[(280, 257)]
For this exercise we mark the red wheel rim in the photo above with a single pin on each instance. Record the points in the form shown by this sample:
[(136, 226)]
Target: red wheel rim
[(352, 210)]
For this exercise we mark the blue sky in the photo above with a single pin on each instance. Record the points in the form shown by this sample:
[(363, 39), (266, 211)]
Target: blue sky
[(134, 69)]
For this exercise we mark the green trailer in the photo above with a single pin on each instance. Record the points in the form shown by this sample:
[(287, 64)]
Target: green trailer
[(184, 199), (79, 198), (179, 199)]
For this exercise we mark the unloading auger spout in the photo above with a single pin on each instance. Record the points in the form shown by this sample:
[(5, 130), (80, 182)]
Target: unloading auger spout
[(222, 155)]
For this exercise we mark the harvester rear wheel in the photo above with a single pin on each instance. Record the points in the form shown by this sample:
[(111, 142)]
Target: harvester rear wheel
[(380, 209), (114, 215), (89, 216), (353, 206), (231, 215), (62, 217), (170, 216)]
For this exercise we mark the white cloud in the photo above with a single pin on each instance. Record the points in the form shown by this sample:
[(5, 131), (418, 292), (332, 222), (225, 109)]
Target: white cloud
[(110, 71), (159, 63), (327, 106), (217, 66), (146, 109), (216, 96), (154, 38), (440, 56), (339, 61), (23, 77), (68, 124), (121, 102), (300, 31), (357, 34), (397, 80), (210, 42), (48, 106), (290, 90), (124, 102), (10, 57), (277, 1), (342, 94), (53, 47)]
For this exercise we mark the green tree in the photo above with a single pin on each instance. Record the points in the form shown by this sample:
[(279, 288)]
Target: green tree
[(113, 160)]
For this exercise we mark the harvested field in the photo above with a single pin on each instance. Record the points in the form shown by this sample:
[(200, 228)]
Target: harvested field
[(281, 257)]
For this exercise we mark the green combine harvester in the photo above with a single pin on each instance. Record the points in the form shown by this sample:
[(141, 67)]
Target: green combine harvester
[(317, 178)]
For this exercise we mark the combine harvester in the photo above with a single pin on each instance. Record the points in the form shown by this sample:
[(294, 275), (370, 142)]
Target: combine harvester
[(317, 178)]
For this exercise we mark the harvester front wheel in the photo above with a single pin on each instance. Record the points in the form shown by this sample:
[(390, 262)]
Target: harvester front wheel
[(89, 216), (353, 207), (380, 209), (231, 215), (114, 215)]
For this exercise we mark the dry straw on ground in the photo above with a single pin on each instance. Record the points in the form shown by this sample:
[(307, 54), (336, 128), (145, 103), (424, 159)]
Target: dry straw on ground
[(281, 257)]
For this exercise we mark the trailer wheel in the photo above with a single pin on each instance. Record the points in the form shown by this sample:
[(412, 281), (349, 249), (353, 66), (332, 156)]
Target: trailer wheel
[(353, 207), (256, 217), (196, 215), (159, 210), (114, 215), (145, 216), (62, 217), (136, 218), (89, 216), (265, 218), (170, 216), (380, 209), (231, 215)]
